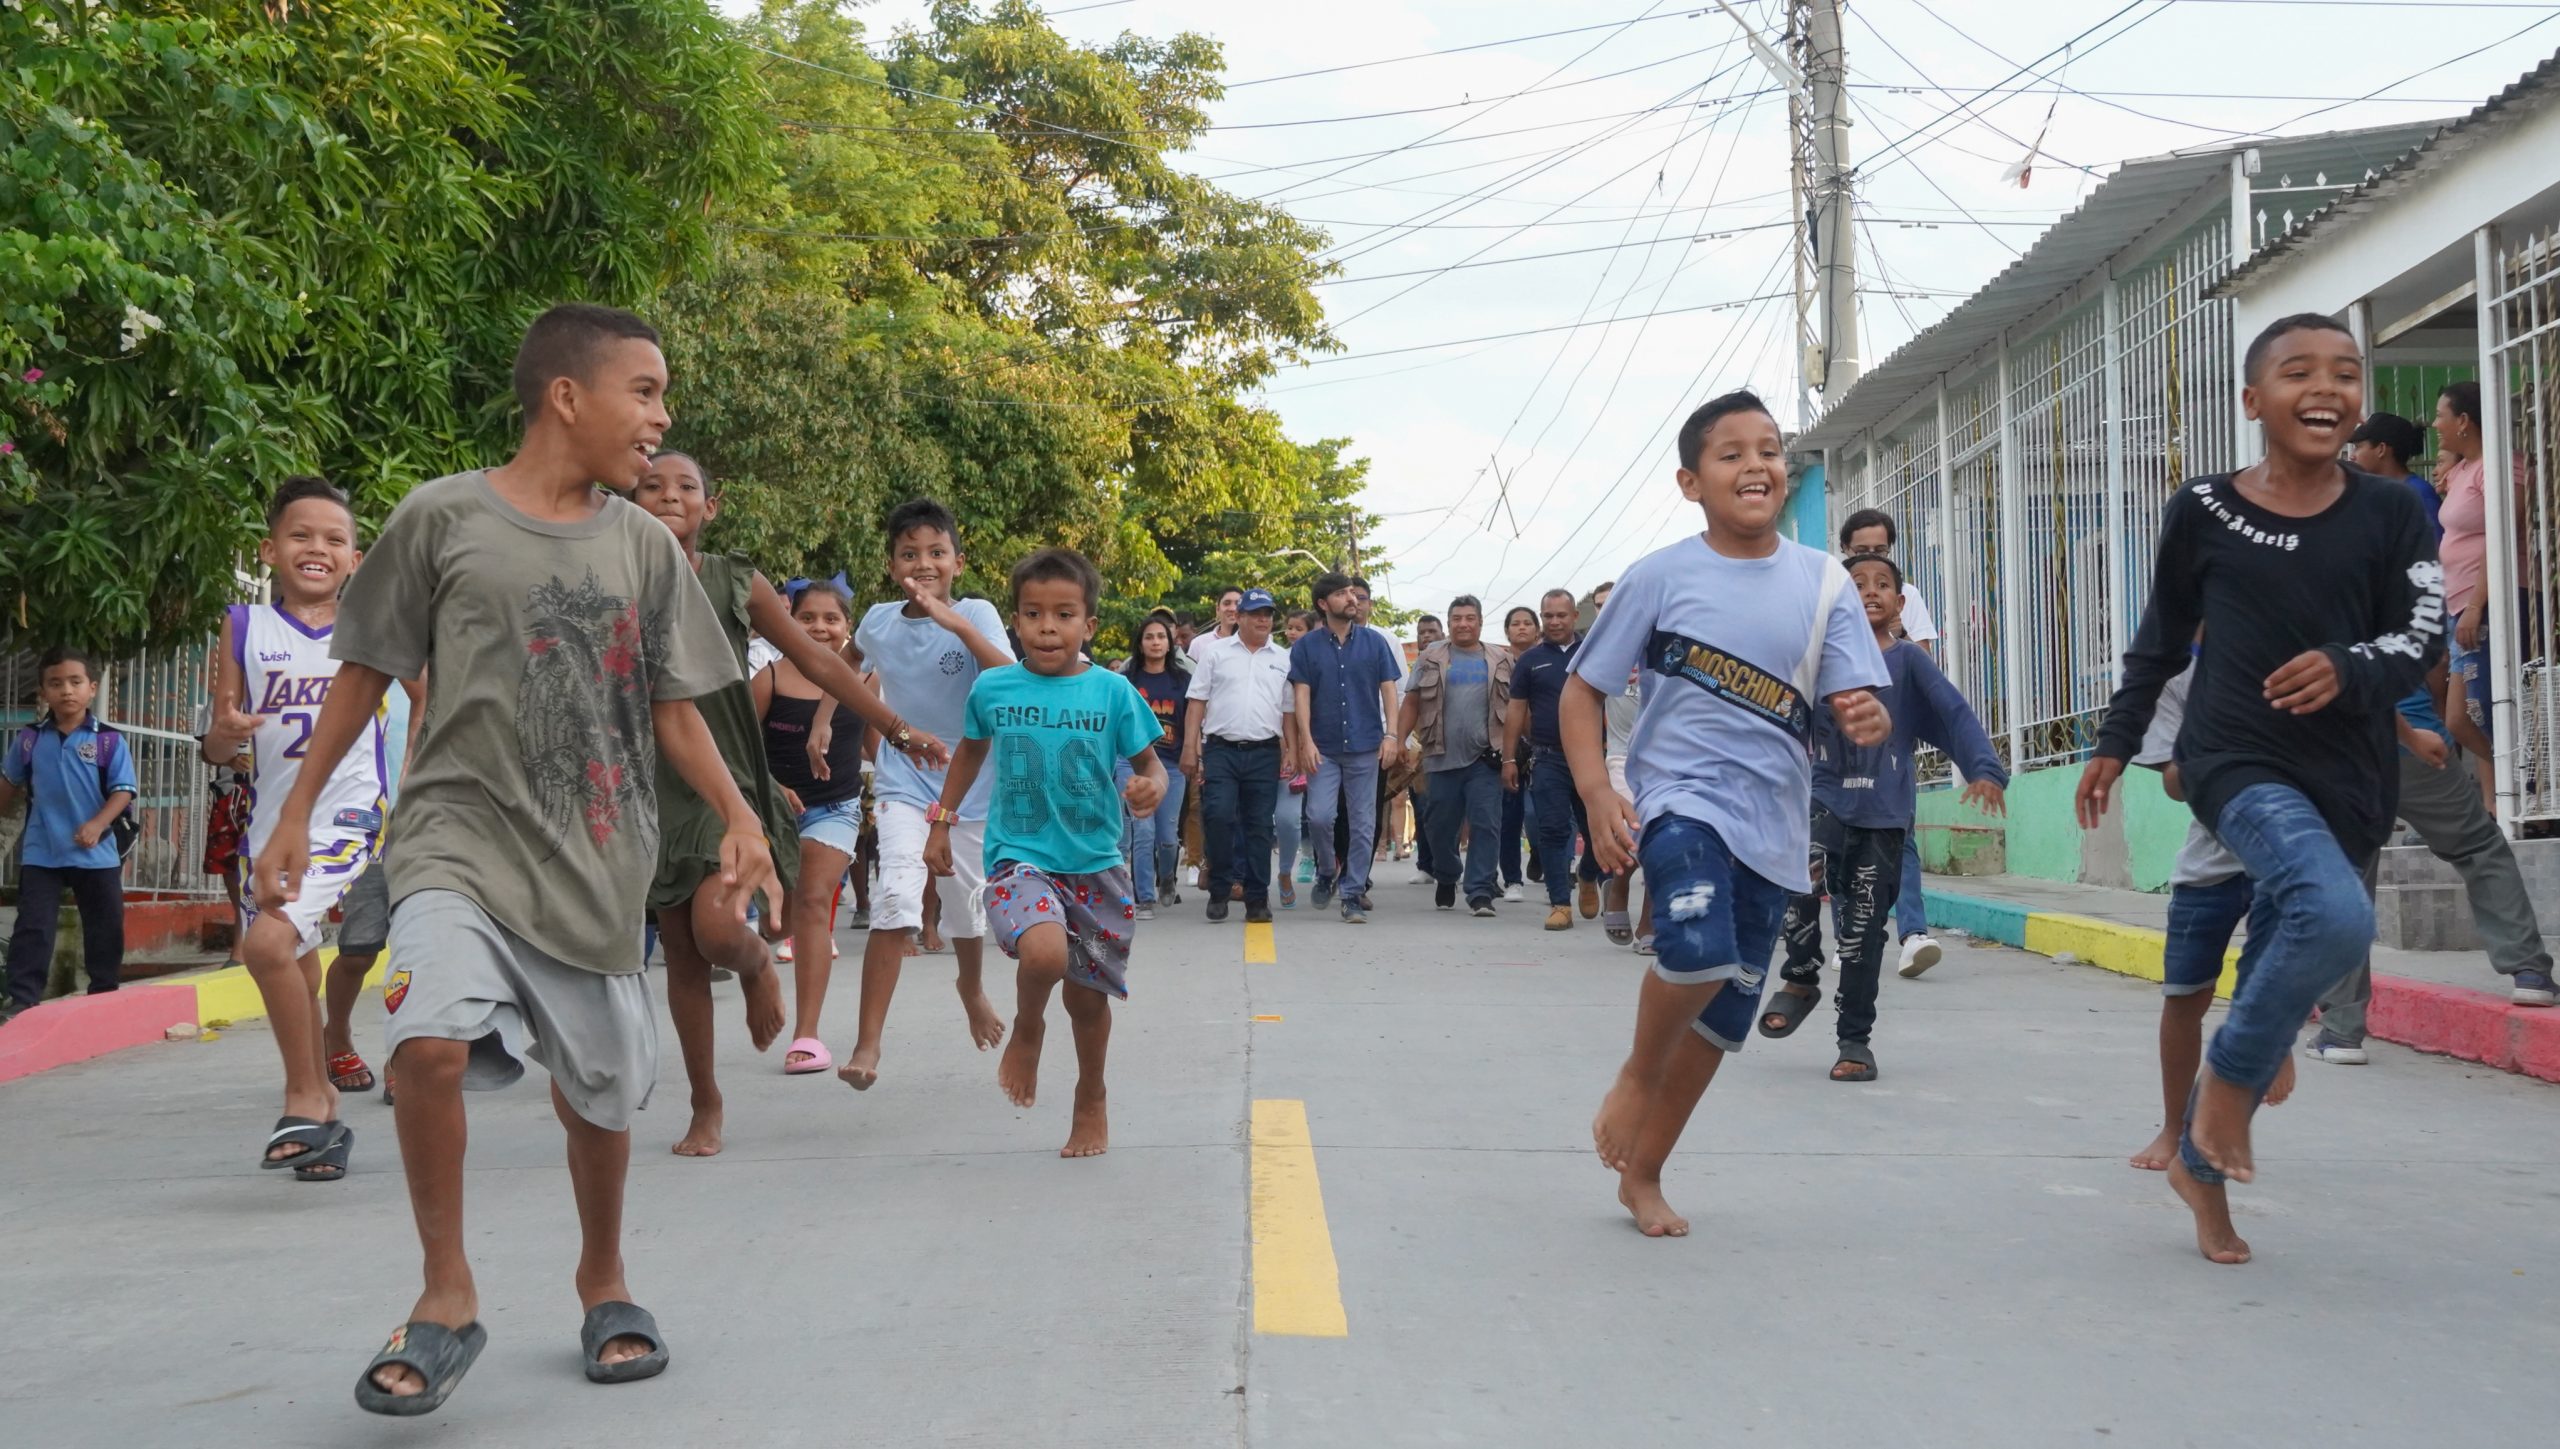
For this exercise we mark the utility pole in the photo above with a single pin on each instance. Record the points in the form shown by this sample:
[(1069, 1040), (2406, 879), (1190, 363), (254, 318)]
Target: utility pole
[(1800, 227), (1826, 73)]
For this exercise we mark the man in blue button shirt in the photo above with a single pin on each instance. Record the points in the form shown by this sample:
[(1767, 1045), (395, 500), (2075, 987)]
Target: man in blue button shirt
[(1344, 678), (79, 778), (1537, 683)]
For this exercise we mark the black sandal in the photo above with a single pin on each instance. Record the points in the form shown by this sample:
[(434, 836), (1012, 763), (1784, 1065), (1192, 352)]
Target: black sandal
[(435, 1353), (1861, 1061), (1792, 1008), (329, 1164), (310, 1133), (609, 1321)]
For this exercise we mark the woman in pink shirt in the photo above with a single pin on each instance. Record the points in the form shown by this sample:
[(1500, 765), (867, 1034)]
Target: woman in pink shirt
[(2464, 552)]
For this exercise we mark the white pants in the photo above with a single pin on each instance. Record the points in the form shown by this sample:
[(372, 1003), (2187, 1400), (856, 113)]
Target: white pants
[(898, 903)]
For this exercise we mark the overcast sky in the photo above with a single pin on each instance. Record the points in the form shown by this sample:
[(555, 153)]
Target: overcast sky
[(1655, 154)]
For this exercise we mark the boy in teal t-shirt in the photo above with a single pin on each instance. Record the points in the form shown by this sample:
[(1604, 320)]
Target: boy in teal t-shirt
[(1057, 887)]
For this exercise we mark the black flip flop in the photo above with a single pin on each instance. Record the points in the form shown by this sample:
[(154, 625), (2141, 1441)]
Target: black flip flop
[(1855, 1054), (1791, 1009), (609, 1321), (435, 1353), (329, 1164), (310, 1132)]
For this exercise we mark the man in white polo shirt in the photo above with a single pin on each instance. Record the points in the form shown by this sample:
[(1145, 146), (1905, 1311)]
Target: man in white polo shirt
[(1231, 749)]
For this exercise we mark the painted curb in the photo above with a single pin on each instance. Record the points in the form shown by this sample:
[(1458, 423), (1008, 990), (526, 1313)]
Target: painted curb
[(78, 1028), (2454, 1021)]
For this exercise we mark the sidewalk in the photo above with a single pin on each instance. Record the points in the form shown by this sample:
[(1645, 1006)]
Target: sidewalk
[(2449, 1002)]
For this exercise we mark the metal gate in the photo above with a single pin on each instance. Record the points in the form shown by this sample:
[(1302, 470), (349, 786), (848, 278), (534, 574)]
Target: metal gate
[(2523, 446), (157, 700)]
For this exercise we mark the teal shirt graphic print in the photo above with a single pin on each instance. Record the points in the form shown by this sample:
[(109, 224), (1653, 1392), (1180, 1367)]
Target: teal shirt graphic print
[(1054, 743)]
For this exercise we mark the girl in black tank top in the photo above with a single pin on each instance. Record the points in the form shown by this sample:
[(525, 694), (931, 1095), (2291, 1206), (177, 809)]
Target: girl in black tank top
[(788, 704)]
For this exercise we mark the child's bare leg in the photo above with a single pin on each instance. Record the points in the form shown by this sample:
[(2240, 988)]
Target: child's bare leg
[(433, 1134), (599, 1167), (728, 942), (2219, 1126), (1089, 1012), (1663, 1014), (813, 922), (882, 956), (930, 934), (2181, 1056), (1041, 957), (689, 1006), (339, 989), (239, 910), (289, 984), (2216, 1238), (1693, 1066), (986, 1027)]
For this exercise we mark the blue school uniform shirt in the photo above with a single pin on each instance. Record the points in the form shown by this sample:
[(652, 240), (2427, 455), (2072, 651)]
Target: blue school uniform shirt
[(1342, 679), (64, 769), (1711, 633), (1055, 741), (926, 675), (1537, 680), (2419, 709), (1875, 786)]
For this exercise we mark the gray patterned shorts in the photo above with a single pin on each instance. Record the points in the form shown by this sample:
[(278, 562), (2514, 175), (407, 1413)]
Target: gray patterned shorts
[(1099, 913)]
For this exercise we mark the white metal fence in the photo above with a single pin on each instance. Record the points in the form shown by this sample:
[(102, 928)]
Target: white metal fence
[(2523, 336), (156, 700)]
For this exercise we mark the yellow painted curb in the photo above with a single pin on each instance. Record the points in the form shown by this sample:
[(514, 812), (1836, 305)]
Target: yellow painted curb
[(2127, 950), (227, 993), (1297, 1285)]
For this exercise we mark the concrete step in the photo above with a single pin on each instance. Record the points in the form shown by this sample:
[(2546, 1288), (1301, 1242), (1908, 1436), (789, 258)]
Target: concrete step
[(2424, 918)]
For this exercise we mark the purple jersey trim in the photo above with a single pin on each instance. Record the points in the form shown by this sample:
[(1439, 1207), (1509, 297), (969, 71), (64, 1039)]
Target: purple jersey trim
[(305, 630)]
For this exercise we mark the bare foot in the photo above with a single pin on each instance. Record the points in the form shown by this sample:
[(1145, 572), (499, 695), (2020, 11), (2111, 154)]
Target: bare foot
[(702, 1138), (907, 944), (1090, 1134), (1613, 1131), (453, 1310), (932, 941), (2219, 1127), (2282, 1087), (861, 1069), (1019, 1072), (2162, 1151), (765, 1017), (2215, 1237), (1654, 1217), (986, 1027)]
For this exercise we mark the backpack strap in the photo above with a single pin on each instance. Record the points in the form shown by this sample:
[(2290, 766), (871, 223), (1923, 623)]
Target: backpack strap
[(1826, 598)]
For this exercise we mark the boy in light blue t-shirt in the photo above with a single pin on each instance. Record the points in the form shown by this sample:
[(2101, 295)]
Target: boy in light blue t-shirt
[(1057, 887), (1741, 634)]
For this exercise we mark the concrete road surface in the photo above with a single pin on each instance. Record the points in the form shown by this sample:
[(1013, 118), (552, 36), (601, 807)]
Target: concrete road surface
[(1956, 1254)]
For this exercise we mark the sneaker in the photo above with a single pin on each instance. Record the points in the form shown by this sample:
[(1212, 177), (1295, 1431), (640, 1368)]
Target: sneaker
[(1146, 910), (1260, 913), (1511, 893), (2533, 988), (860, 921), (1217, 908), (1919, 953), (1421, 876), (1590, 899), (2337, 1053), (1446, 897), (1323, 895), (1481, 905), (1354, 911), (784, 952), (1559, 918)]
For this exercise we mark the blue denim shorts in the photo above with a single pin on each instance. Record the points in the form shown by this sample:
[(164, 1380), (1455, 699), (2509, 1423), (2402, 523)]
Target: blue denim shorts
[(2201, 920), (837, 827), (1714, 919)]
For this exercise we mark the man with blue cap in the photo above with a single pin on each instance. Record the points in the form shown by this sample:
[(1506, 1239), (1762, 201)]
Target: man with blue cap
[(1233, 749)]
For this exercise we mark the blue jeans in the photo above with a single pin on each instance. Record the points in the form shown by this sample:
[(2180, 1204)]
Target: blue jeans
[(1236, 786), (2323, 928), (1155, 843), (1559, 818), (1349, 784), (1714, 920), (1910, 912), (1288, 812), (1515, 807), (1470, 795), (2201, 920)]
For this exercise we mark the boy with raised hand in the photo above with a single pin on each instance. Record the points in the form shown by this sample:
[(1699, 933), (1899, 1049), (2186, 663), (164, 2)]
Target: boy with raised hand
[(78, 776), (2322, 604), (1057, 887), (568, 641), (927, 653), (1864, 803), (697, 922), (1740, 631)]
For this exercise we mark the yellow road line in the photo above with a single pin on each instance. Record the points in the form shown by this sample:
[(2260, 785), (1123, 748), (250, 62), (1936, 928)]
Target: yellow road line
[(1297, 1287), (1261, 947), (1266, 1018)]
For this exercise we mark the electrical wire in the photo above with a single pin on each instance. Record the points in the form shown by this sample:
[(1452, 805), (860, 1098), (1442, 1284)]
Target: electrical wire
[(1462, 49), (1882, 160)]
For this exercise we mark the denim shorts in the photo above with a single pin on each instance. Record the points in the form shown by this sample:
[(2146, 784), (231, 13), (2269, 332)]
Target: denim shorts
[(2201, 920), (838, 826), (1714, 919)]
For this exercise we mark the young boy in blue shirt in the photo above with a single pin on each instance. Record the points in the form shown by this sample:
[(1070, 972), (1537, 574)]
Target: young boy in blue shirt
[(1863, 806), (78, 776), (1057, 886), (1740, 631)]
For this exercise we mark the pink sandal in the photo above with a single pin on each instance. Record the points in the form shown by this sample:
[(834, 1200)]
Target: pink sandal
[(817, 1058)]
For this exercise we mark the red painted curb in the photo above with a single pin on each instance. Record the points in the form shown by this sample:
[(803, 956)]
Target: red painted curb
[(2473, 1025), (76, 1028)]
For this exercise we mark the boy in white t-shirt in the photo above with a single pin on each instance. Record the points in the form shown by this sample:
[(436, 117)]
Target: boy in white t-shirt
[(927, 653)]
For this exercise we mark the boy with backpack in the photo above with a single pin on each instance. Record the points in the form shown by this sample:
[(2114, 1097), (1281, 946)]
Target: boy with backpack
[(77, 776)]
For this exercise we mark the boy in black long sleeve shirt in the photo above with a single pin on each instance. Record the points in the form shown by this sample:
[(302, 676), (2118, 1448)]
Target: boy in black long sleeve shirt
[(2321, 596)]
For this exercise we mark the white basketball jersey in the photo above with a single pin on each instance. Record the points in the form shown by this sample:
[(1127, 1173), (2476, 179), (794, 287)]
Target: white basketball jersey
[(288, 669)]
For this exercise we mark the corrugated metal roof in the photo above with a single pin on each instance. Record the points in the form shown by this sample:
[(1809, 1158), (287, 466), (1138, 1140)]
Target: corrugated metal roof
[(2532, 92), (2136, 197)]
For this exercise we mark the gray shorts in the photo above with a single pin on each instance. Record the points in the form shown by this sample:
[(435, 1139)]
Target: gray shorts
[(1097, 911), (364, 913), (458, 975)]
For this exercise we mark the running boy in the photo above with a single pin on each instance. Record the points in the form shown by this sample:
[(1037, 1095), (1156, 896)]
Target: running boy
[(697, 921), (2323, 604), (567, 640), (272, 675), (1740, 630), (78, 776), (1057, 886), (927, 652), (1864, 802)]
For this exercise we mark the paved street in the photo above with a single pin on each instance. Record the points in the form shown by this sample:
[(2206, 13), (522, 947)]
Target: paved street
[(1955, 1255)]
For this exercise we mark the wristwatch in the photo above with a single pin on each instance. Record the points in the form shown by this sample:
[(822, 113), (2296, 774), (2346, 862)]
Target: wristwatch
[(938, 813)]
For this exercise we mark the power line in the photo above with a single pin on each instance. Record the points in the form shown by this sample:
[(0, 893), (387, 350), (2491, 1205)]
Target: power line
[(1879, 162), (1461, 49), (2528, 28)]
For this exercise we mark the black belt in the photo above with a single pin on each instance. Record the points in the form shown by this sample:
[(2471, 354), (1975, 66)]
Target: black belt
[(1244, 744)]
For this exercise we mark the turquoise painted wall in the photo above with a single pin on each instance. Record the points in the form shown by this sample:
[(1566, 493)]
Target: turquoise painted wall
[(2041, 835), (1806, 518)]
